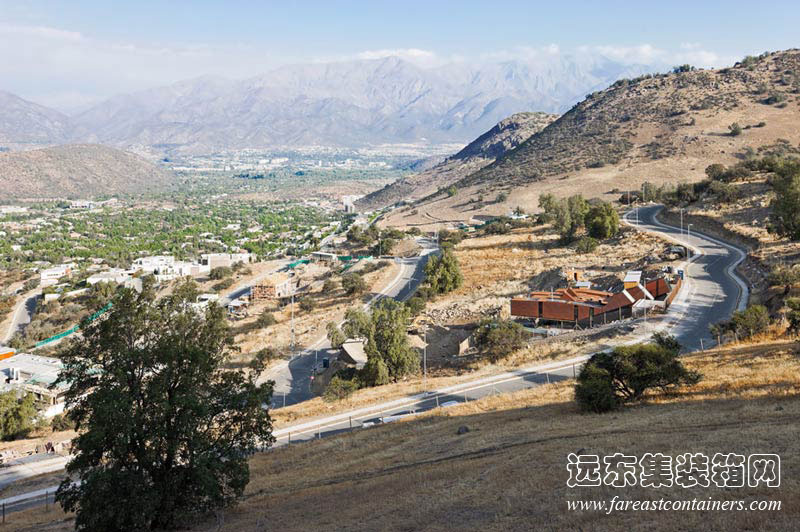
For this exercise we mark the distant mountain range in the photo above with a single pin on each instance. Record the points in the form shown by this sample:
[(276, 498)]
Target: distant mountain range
[(348, 104)]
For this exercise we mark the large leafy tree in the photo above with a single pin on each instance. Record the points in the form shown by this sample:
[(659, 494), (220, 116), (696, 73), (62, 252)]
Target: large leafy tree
[(602, 221), (785, 217), (389, 355), (16, 414), (165, 430), (567, 215), (388, 340), (443, 273)]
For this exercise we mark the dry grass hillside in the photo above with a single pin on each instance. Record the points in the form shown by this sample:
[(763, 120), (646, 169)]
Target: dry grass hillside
[(509, 471), (77, 171), (662, 128), (503, 137)]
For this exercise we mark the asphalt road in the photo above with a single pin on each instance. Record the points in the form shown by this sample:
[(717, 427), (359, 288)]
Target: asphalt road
[(22, 316), (714, 292), (293, 378)]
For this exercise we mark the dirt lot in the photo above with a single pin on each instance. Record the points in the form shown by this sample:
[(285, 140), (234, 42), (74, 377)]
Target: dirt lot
[(509, 471), (498, 267), (308, 325)]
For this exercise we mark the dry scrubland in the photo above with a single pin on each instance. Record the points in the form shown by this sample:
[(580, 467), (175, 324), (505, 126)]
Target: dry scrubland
[(509, 471), (497, 267), (309, 325), (662, 129)]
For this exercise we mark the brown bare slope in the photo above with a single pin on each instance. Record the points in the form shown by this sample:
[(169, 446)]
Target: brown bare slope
[(77, 171), (649, 118), (505, 136), (665, 128)]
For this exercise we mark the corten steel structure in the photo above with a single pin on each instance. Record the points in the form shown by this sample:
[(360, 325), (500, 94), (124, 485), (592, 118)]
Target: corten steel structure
[(586, 305)]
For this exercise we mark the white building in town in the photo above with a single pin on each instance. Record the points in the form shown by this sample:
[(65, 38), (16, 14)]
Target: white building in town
[(34, 374), (50, 276)]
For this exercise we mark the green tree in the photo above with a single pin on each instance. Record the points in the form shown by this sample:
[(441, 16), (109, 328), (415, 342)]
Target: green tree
[(586, 244), (338, 389), (353, 284), (785, 216), (442, 272), (567, 215), (375, 372), (17, 415), (335, 336), (499, 338), (388, 339), (602, 221), (735, 129), (452, 190), (415, 305), (162, 424), (357, 324), (610, 379), (220, 272), (794, 314), (751, 321)]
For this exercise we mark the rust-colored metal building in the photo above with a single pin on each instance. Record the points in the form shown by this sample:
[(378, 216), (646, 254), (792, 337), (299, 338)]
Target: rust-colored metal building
[(577, 305)]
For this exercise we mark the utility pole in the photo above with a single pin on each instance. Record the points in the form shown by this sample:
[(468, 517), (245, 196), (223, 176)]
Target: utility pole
[(292, 303), (681, 221), (425, 362), (688, 233)]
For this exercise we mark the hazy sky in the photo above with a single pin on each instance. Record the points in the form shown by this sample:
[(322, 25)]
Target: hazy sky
[(67, 54)]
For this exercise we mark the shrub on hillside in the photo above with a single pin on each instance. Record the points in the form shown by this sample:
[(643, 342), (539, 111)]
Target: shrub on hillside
[(353, 284), (784, 275), (220, 272), (338, 389), (744, 323), (785, 216), (602, 221), (609, 380), (586, 244), (735, 129), (497, 339), (265, 319)]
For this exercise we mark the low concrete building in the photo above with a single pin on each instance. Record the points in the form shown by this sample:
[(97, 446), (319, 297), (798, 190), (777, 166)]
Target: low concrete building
[(50, 276), (153, 264), (352, 352), (324, 257), (25, 373), (217, 260), (114, 275)]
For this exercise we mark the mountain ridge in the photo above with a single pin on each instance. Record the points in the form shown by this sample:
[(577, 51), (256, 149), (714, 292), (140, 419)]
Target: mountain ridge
[(77, 171), (354, 103)]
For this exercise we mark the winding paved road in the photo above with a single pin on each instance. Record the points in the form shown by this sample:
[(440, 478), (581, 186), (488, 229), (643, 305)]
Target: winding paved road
[(711, 293), (293, 377), (714, 290)]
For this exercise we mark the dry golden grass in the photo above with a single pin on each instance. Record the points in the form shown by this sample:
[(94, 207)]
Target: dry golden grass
[(509, 471)]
